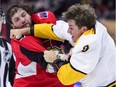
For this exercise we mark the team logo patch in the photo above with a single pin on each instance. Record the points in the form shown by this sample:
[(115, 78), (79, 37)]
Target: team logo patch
[(85, 48), (43, 14)]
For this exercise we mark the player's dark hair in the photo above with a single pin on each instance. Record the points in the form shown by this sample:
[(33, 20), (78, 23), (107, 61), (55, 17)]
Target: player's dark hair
[(14, 8), (84, 15)]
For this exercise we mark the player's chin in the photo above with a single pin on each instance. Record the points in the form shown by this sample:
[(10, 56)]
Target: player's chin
[(73, 39)]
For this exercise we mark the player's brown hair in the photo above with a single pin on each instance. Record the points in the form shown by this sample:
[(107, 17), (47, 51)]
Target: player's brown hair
[(84, 15)]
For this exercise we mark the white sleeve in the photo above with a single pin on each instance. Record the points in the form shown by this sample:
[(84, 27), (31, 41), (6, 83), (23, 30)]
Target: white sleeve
[(60, 29)]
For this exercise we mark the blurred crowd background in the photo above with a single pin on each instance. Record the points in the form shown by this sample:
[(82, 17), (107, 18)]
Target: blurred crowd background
[(105, 10)]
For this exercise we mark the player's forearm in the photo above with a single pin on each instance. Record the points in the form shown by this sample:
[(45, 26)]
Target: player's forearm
[(26, 31)]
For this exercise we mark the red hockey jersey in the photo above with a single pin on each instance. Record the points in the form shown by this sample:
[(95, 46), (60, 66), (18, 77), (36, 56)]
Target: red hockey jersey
[(28, 72)]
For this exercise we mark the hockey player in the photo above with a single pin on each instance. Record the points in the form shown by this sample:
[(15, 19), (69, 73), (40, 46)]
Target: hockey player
[(30, 64), (93, 57)]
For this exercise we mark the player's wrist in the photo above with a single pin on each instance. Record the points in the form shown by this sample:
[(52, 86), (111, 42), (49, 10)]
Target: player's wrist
[(25, 31)]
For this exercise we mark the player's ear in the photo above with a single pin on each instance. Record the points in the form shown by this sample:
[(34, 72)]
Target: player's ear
[(84, 28)]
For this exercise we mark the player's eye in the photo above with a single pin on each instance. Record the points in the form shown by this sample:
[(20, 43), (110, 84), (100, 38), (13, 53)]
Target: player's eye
[(23, 14)]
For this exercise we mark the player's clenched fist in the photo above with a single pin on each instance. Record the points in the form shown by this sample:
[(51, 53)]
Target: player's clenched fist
[(15, 33)]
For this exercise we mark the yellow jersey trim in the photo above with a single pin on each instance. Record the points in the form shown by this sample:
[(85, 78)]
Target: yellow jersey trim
[(45, 31), (67, 75), (91, 31), (112, 84)]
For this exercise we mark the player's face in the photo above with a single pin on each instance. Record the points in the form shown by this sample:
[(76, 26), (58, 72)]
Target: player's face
[(21, 19), (74, 30)]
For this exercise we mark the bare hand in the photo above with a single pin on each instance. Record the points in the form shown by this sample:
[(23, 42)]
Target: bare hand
[(15, 33), (50, 56)]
